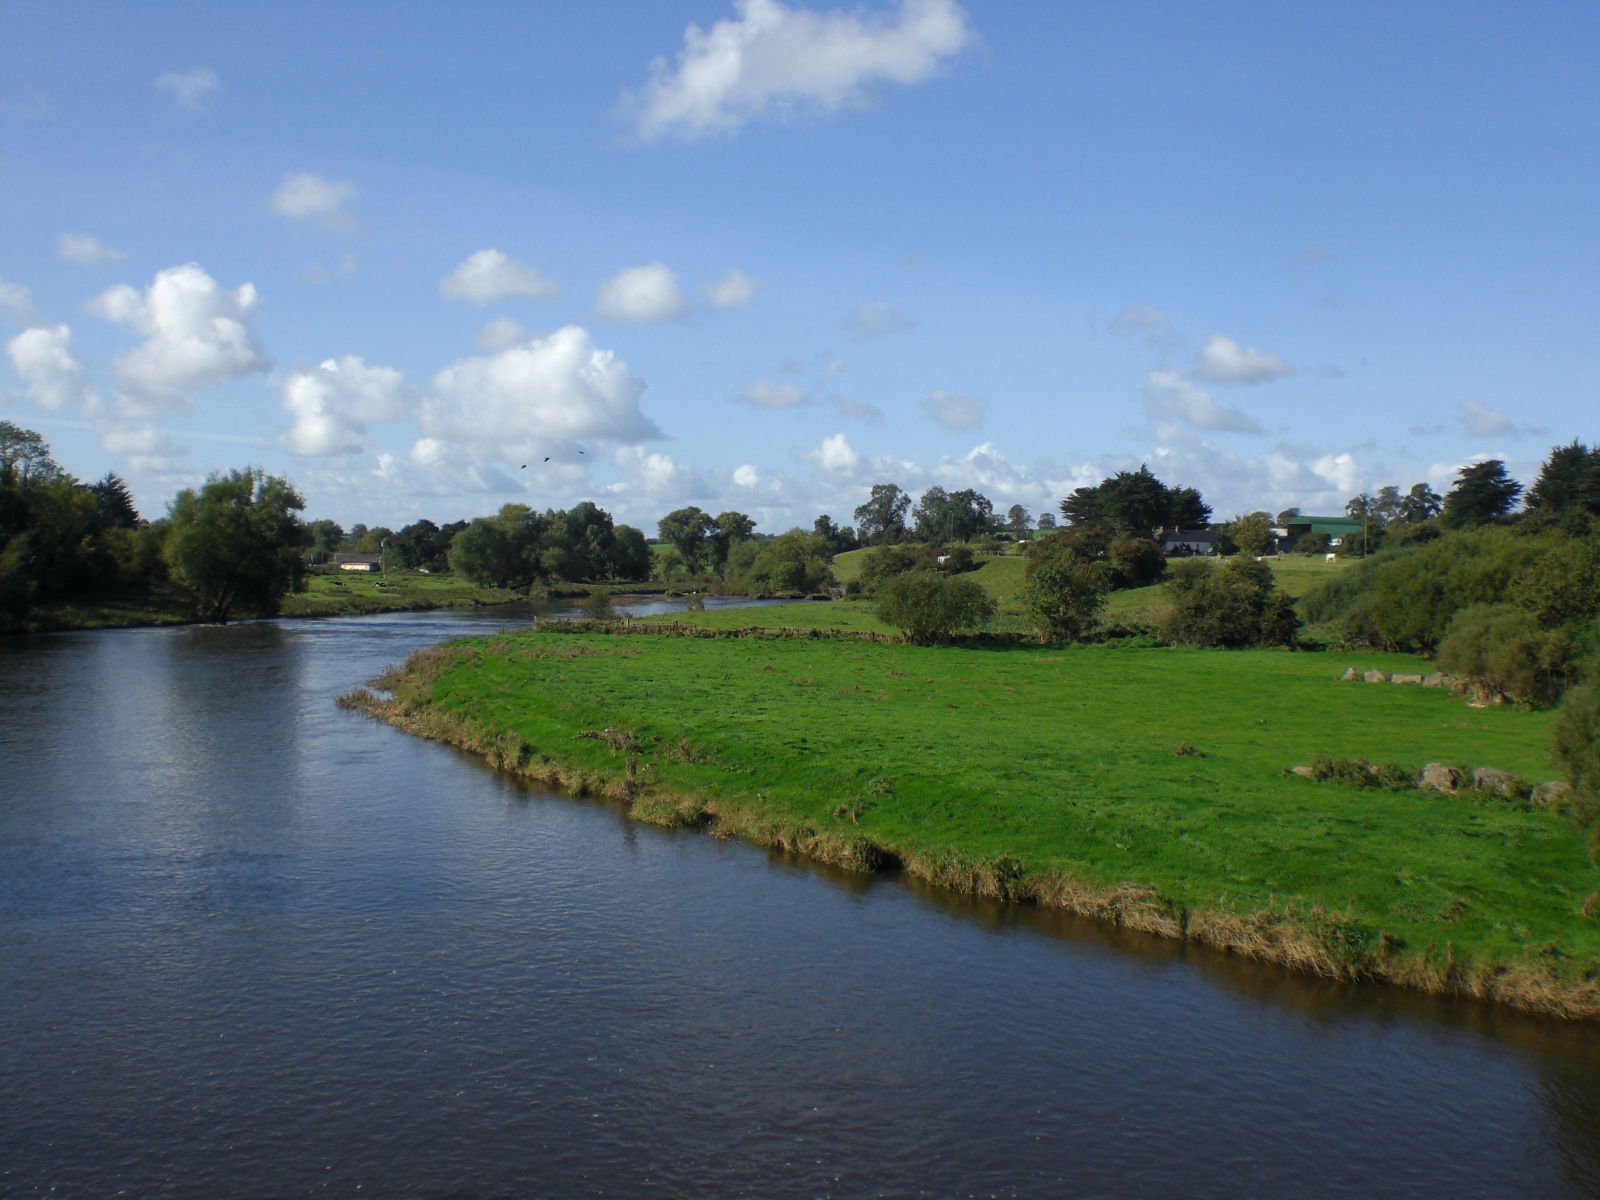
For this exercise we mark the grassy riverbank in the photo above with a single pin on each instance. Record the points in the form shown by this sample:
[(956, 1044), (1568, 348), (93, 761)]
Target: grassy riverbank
[(1144, 785), (352, 594)]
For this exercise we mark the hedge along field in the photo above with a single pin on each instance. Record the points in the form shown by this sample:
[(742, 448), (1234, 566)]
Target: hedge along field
[(1141, 785)]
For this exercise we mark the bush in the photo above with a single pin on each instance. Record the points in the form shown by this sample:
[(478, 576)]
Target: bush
[(1233, 605), (1063, 597), (1503, 652), (1135, 561), (1575, 747), (927, 606)]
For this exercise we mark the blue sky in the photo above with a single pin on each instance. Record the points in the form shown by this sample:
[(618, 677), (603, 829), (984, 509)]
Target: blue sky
[(760, 256)]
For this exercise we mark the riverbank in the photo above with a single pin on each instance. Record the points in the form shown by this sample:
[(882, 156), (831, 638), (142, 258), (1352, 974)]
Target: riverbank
[(1141, 786)]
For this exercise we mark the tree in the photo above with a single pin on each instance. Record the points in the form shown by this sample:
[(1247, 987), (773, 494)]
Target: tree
[(1568, 487), (1233, 605), (1135, 502), (1483, 491), (115, 502), (1252, 533), (1017, 520), (928, 606), (837, 538), (235, 543), (502, 550), (24, 457), (690, 530), (1575, 746), (1287, 515), (1047, 520), (630, 553), (882, 519), (1420, 504), (1063, 596), (730, 529)]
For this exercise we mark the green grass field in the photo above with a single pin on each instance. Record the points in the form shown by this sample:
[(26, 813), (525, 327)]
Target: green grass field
[(351, 594), (1144, 784)]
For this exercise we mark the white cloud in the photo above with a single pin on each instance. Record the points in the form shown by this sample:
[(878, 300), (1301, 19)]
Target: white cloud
[(655, 476), (85, 249), (304, 196), (196, 335), (500, 334), (1169, 397), (746, 476), (17, 300), (526, 398), (1223, 360), (332, 404), (53, 377), (875, 318), (953, 410), (733, 290), (642, 295), (192, 88), (772, 59), (488, 276), (762, 394), (836, 456)]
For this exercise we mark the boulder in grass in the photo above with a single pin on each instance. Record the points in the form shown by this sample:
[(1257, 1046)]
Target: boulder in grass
[(1551, 792), (1350, 673), (1405, 679), (1375, 677), (1437, 680), (1493, 779), (1303, 772), (1440, 777)]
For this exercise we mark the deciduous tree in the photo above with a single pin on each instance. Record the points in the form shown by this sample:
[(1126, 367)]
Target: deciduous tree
[(235, 543)]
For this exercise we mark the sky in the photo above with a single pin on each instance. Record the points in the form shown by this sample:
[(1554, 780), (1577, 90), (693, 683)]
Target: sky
[(427, 259)]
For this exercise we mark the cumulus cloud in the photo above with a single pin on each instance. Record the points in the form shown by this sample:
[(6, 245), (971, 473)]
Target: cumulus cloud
[(304, 196), (655, 476), (53, 377), (762, 394), (733, 290), (500, 334), (953, 410), (192, 89), (773, 59), (875, 318), (641, 295), (527, 397), (836, 456), (1170, 398), (85, 249), (488, 276), (196, 335), (332, 404), (17, 301), (1223, 360)]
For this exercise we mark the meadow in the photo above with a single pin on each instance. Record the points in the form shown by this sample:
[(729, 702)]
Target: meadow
[(351, 593), (1145, 785)]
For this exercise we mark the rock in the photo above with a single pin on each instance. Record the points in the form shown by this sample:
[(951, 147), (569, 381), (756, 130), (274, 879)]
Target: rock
[(1405, 679), (1492, 779), (1550, 791), (1303, 772), (1375, 677), (1438, 777), (1438, 679), (1350, 673)]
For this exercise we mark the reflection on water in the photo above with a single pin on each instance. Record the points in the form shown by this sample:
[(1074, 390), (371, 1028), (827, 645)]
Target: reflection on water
[(251, 943)]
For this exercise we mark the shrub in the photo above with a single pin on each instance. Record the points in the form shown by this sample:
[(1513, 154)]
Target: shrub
[(1503, 652), (927, 606), (1233, 605), (1575, 746), (1135, 561), (596, 606), (1063, 597)]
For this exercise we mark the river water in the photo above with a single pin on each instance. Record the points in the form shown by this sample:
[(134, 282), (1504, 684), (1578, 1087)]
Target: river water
[(252, 944)]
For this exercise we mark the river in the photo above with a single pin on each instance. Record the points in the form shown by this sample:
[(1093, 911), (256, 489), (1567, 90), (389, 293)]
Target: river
[(254, 944)]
